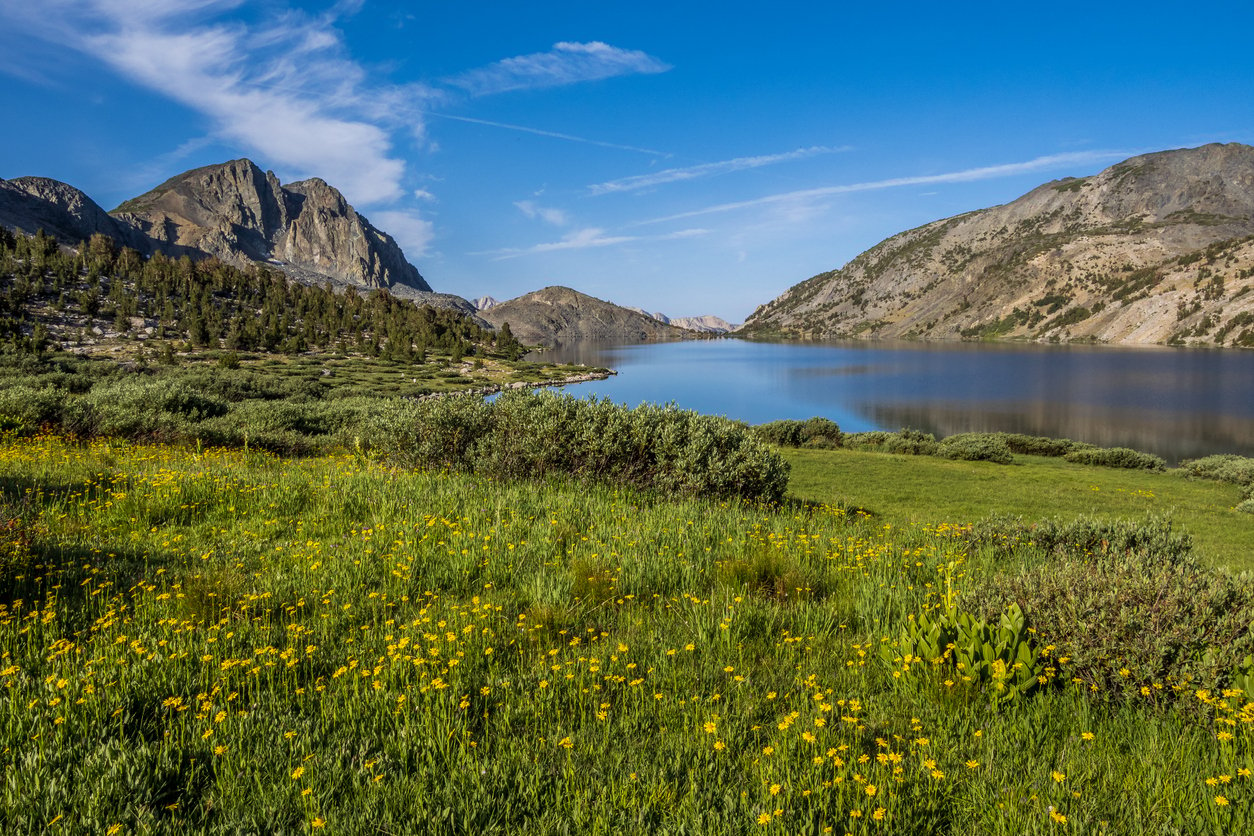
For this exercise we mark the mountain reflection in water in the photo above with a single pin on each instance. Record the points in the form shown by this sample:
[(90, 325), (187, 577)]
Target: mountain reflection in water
[(1178, 403)]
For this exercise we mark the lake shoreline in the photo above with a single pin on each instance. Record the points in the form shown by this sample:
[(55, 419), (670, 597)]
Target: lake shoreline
[(1174, 403)]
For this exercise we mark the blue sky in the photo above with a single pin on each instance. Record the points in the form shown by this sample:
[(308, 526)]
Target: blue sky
[(685, 157)]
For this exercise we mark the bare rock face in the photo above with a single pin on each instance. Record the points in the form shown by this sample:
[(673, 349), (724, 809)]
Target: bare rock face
[(237, 213), (561, 315), (29, 204), (240, 214), (1156, 249)]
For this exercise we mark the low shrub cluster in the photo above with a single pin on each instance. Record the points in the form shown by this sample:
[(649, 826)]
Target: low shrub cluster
[(903, 442), (529, 434), (1123, 457), (1127, 608), (965, 446), (1236, 470), (816, 432), (1040, 445), (976, 447)]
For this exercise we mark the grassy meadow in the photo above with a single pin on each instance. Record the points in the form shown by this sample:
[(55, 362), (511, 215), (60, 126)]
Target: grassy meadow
[(904, 489), (221, 641)]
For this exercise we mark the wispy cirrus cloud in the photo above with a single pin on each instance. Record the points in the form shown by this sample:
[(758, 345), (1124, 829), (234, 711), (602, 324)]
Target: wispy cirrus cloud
[(531, 209), (588, 238), (283, 88), (694, 172), (551, 134), (566, 63), (1045, 163)]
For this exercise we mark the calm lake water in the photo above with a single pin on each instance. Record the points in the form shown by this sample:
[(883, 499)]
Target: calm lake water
[(1178, 403)]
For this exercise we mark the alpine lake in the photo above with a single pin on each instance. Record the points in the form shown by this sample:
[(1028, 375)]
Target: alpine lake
[(1178, 403)]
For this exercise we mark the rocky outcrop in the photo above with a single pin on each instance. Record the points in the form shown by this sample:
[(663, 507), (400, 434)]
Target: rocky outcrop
[(236, 213), (29, 204), (1156, 249), (557, 315), (240, 214)]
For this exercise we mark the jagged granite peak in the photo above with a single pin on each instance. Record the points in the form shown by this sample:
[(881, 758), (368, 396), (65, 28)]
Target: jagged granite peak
[(29, 204), (484, 302), (1156, 249), (239, 214), (557, 314)]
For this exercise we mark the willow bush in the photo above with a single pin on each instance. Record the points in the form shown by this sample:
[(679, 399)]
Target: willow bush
[(536, 435)]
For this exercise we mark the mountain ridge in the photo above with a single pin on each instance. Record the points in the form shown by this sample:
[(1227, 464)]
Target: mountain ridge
[(234, 212), (1156, 249), (558, 314)]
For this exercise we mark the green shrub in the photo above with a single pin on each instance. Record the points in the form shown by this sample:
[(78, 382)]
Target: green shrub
[(1155, 536), (243, 384), (27, 408), (1039, 445), (140, 408), (911, 443), (1238, 470), (286, 426), (432, 433), (1127, 608), (815, 432), (905, 442), (533, 435), (988, 447), (871, 440), (1116, 457)]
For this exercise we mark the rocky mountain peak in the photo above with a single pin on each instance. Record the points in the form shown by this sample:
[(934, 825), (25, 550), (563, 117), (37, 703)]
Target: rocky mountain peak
[(240, 214), (1156, 249)]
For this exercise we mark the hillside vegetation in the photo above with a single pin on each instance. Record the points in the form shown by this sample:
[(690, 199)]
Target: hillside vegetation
[(1156, 249)]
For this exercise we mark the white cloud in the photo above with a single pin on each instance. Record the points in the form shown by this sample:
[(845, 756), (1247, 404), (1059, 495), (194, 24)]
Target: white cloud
[(566, 63), (964, 176), (423, 194), (672, 175), (412, 232), (588, 238), (553, 216), (283, 89)]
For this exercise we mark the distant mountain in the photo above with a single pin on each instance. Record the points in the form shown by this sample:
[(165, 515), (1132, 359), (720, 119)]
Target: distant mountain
[(560, 315), (660, 317), (704, 324), (484, 302), (238, 214), (1156, 249), (700, 324)]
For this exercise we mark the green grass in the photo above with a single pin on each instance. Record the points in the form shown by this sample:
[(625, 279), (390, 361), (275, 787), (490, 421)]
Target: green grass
[(227, 642), (920, 489)]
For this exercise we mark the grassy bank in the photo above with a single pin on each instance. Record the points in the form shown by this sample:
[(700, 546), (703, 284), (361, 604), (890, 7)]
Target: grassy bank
[(919, 489), (224, 642)]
